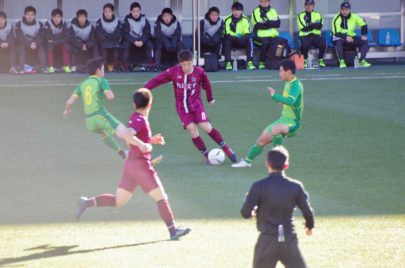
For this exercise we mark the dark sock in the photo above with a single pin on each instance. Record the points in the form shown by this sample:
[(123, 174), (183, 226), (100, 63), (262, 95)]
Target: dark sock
[(200, 145), (217, 137), (167, 215), (103, 200)]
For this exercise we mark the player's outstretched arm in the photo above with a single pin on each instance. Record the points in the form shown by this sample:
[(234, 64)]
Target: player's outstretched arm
[(158, 80), (69, 105), (289, 100)]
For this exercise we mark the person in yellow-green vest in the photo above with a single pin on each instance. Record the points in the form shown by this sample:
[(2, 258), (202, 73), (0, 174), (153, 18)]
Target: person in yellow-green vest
[(265, 23), (310, 24), (237, 34), (344, 35)]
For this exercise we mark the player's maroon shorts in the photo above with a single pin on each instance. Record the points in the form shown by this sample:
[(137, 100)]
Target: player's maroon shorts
[(139, 172), (197, 116)]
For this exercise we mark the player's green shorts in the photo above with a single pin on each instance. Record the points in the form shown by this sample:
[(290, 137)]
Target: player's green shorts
[(292, 124), (102, 122)]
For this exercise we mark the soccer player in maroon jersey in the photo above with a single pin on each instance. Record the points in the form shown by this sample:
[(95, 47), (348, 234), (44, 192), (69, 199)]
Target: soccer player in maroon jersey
[(138, 170), (187, 83)]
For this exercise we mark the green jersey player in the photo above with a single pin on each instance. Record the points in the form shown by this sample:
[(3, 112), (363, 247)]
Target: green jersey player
[(93, 92), (288, 124)]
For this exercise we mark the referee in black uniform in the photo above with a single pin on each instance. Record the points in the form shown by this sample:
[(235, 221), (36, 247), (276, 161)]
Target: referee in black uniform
[(272, 200)]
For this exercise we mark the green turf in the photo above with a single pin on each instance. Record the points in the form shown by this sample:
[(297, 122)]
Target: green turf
[(349, 154)]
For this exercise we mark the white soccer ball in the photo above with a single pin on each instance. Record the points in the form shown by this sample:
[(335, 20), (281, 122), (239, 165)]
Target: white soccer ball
[(216, 157)]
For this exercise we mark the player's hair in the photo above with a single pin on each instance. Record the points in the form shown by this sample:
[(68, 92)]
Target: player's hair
[(81, 12), (167, 10), (93, 65), (185, 55), (288, 65), (57, 11), (135, 5), (30, 9), (110, 6), (142, 97), (237, 6), (3, 15), (277, 158)]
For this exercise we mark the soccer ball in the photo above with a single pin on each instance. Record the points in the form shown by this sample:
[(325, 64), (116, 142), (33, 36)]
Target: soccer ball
[(216, 157)]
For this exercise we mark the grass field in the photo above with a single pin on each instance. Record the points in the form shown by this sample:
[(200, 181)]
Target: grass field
[(350, 154)]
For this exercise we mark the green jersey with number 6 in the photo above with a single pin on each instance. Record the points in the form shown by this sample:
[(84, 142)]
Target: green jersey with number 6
[(92, 91)]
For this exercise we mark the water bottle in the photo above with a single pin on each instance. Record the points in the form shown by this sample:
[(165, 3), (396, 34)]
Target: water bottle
[(309, 63), (356, 62), (281, 235), (235, 65), (388, 38)]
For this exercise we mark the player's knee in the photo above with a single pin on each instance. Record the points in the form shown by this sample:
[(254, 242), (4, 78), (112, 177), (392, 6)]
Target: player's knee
[(192, 130), (158, 194), (120, 202)]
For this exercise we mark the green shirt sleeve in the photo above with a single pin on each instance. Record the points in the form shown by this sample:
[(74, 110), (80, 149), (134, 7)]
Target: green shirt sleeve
[(77, 91), (360, 21), (291, 98), (105, 85)]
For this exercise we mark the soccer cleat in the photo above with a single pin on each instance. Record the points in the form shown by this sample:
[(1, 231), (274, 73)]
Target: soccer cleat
[(157, 160), (251, 66), (322, 63), (364, 63), (51, 70), (231, 155), (242, 164), (83, 206), (179, 232), (228, 66), (342, 64), (305, 64), (262, 65), (44, 70), (67, 69)]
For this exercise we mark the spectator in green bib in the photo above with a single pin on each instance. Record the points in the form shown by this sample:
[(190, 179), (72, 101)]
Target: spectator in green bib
[(237, 34), (310, 23), (344, 35), (265, 23)]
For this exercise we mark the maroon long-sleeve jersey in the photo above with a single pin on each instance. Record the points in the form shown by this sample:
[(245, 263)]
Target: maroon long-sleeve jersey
[(187, 87)]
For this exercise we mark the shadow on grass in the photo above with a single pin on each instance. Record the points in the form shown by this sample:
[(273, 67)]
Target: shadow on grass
[(48, 251)]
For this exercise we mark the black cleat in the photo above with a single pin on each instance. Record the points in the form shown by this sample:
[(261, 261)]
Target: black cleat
[(179, 232)]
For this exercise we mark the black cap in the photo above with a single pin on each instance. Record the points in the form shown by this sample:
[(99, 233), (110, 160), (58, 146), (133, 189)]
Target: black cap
[(237, 6), (345, 5), (213, 9), (309, 2), (167, 10)]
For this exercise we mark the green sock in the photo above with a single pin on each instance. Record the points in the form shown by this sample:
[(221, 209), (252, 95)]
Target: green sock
[(112, 142), (254, 151), (277, 140)]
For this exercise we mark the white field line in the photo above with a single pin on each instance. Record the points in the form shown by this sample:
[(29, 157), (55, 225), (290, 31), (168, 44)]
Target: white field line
[(216, 81)]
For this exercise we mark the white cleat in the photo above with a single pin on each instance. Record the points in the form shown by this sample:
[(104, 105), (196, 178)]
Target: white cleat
[(241, 164)]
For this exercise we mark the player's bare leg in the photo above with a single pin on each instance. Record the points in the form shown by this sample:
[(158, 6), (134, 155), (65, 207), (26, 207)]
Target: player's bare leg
[(118, 200), (265, 138), (217, 137), (166, 213)]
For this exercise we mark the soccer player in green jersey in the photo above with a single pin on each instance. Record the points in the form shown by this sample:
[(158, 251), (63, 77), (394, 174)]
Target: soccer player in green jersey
[(288, 124), (93, 91)]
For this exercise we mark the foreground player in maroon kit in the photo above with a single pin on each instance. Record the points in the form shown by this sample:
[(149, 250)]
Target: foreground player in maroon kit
[(187, 83), (138, 170)]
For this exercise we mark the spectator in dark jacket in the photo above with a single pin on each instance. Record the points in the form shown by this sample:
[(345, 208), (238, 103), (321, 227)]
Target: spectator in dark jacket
[(109, 37), (137, 35), (211, 29), (167, 33), (57, 40), (83, 39), (7, 43), (30, 37)]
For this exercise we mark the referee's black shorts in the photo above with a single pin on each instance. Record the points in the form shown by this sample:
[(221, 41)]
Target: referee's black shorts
[(269, 251)]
